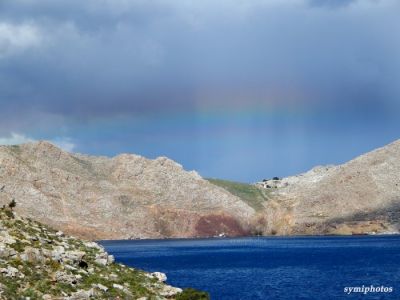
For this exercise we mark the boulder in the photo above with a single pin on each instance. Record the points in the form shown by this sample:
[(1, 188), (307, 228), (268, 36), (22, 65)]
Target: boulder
[(11, 272), (169, 291), (5, 238), (161, 277), (118, 286), (82, 294), (110, 259), (100, 287), (75, 256), (57, 253), (63, 277), (6, 252), (32, 255), (101, 261)]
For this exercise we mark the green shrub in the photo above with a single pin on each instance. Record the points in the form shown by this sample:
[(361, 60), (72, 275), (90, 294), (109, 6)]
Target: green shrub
[(9, 214), (192, 294), (12, 204)]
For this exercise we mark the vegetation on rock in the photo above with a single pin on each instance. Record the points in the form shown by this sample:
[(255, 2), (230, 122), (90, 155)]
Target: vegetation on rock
[(37, 262), (251, 194), (192, 294)]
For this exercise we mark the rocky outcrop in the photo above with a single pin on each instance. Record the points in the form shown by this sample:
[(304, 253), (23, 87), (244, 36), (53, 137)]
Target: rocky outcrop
[(37, 262), (358, 197), (123, 197)]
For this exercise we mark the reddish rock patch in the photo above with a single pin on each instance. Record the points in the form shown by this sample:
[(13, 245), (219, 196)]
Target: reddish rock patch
[(214, 225)]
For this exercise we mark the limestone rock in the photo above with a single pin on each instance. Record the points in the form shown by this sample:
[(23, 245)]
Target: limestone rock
[(6, 252), (82, 294), (358, 197), (74, 256), (169, 291), (11, 272), (110, 259), (57, 252), (5, 238), (101, 287), (32, 255), (101, 261), (118, 286), (127, 196), (159, 276), (64, 277)]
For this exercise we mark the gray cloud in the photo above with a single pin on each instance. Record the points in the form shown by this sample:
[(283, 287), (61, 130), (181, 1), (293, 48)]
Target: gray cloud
[(212, 84), (89, 59), (331, 3)]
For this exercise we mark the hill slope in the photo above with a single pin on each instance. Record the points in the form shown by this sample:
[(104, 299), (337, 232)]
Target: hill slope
[(126, 196), (254, 196), (129, 196), (361, 196), (37, 262)]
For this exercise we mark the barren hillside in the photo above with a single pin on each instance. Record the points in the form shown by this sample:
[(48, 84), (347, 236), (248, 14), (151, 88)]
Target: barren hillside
[(361, 196), (129, 196), (126, 196)]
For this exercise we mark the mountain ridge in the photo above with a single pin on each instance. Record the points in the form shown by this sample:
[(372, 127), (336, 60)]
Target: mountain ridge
[(364, 193), (126, 196)]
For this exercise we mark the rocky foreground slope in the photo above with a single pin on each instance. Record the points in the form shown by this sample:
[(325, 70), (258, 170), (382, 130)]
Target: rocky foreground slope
[(123, 197), (37, 262), (358, 197)]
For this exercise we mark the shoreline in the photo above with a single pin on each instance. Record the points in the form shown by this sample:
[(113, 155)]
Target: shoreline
[(253, 237)]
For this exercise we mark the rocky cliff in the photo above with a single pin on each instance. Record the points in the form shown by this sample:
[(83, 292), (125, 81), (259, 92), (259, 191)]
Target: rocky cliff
[(123, 197), (37, 262), (358, 197)]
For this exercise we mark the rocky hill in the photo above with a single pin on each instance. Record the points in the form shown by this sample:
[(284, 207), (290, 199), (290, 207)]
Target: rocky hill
[(127, 196), (358, 197), (37, 262)]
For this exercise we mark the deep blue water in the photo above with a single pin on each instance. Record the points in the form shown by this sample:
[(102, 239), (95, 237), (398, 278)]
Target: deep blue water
[(271, 268)]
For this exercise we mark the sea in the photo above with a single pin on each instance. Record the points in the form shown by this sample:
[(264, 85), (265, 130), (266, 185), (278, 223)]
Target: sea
[(306, 267)]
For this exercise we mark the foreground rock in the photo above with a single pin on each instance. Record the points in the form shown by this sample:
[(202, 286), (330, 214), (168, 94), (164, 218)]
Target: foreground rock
[(123, 197), (39, 263), (359, 197)]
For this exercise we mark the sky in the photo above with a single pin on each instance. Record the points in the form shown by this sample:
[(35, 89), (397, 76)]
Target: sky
[(240, 90)]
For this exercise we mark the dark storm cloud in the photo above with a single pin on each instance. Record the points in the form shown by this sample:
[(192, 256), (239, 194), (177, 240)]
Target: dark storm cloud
[(88, 59)]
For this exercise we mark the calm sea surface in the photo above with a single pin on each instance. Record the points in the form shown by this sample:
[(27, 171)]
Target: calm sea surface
[(271, 268)]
